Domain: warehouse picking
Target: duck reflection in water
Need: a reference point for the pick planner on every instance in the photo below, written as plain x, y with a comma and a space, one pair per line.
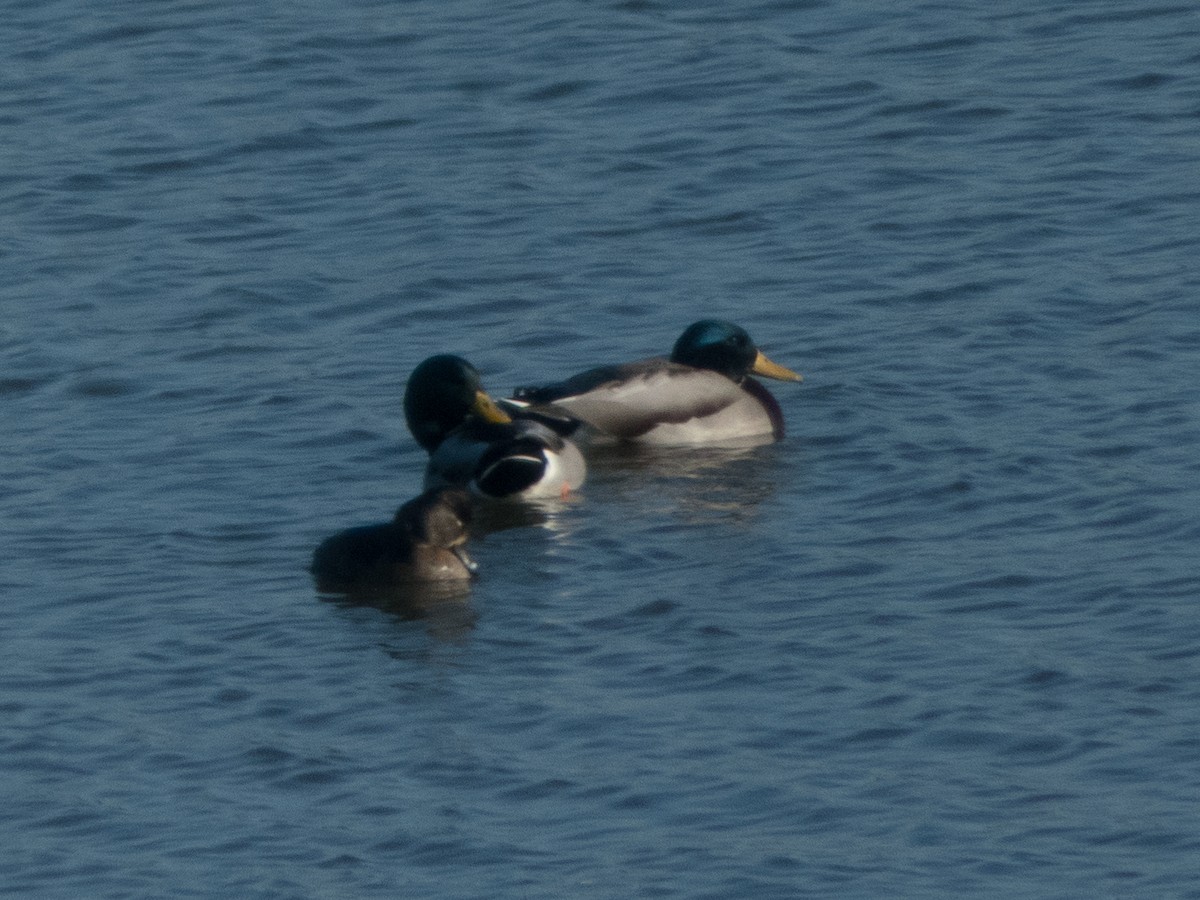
407, 565
703, 484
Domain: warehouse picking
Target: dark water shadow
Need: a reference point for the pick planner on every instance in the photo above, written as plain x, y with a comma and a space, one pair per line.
444, 608
492, 516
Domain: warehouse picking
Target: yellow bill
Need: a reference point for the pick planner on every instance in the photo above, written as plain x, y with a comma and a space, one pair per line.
485, 407
766, 368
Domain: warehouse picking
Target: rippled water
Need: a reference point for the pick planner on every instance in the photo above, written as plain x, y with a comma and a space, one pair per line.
942, 640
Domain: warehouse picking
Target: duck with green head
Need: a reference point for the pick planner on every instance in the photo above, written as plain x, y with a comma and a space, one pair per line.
472, 442
702, 394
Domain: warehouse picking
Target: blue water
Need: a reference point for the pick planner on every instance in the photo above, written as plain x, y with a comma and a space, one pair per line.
940, 641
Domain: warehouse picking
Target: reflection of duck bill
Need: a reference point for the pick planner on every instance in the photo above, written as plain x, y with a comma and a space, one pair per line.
766, 368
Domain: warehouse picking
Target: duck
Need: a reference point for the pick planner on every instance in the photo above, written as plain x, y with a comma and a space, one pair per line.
423, 544
702, 394
472, 442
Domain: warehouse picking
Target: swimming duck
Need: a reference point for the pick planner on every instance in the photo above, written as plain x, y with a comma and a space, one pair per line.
473, 442
702, 394
423, 543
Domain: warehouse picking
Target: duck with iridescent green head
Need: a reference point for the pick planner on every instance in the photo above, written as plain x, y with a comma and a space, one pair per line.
474, 443
702, 394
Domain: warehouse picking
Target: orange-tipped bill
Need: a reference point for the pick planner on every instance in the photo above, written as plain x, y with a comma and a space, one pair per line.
766, 368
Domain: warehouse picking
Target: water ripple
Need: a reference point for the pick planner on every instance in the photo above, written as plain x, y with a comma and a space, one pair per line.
939, 641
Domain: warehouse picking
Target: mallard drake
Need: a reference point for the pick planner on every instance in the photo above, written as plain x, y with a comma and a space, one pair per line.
702, 394
474, 443
423, 543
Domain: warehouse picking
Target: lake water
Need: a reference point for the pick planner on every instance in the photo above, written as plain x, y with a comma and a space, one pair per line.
943, 640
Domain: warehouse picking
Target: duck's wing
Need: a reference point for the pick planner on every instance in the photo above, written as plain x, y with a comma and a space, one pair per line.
585, 382
522, 458
630, 400
354, 555
552, 419
510, 467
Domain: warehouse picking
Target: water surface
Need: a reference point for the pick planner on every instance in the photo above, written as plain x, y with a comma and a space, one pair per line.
941, 640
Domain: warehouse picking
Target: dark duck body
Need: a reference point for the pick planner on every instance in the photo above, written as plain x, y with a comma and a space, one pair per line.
702, 394
424, 543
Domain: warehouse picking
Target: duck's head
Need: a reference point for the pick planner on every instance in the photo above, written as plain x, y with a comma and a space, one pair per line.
442, 393
726, 348
440, 517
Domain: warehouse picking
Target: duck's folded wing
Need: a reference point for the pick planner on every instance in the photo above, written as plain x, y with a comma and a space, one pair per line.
497, 460
507, 468
628, 401
587, 381
352, 555
555, 421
